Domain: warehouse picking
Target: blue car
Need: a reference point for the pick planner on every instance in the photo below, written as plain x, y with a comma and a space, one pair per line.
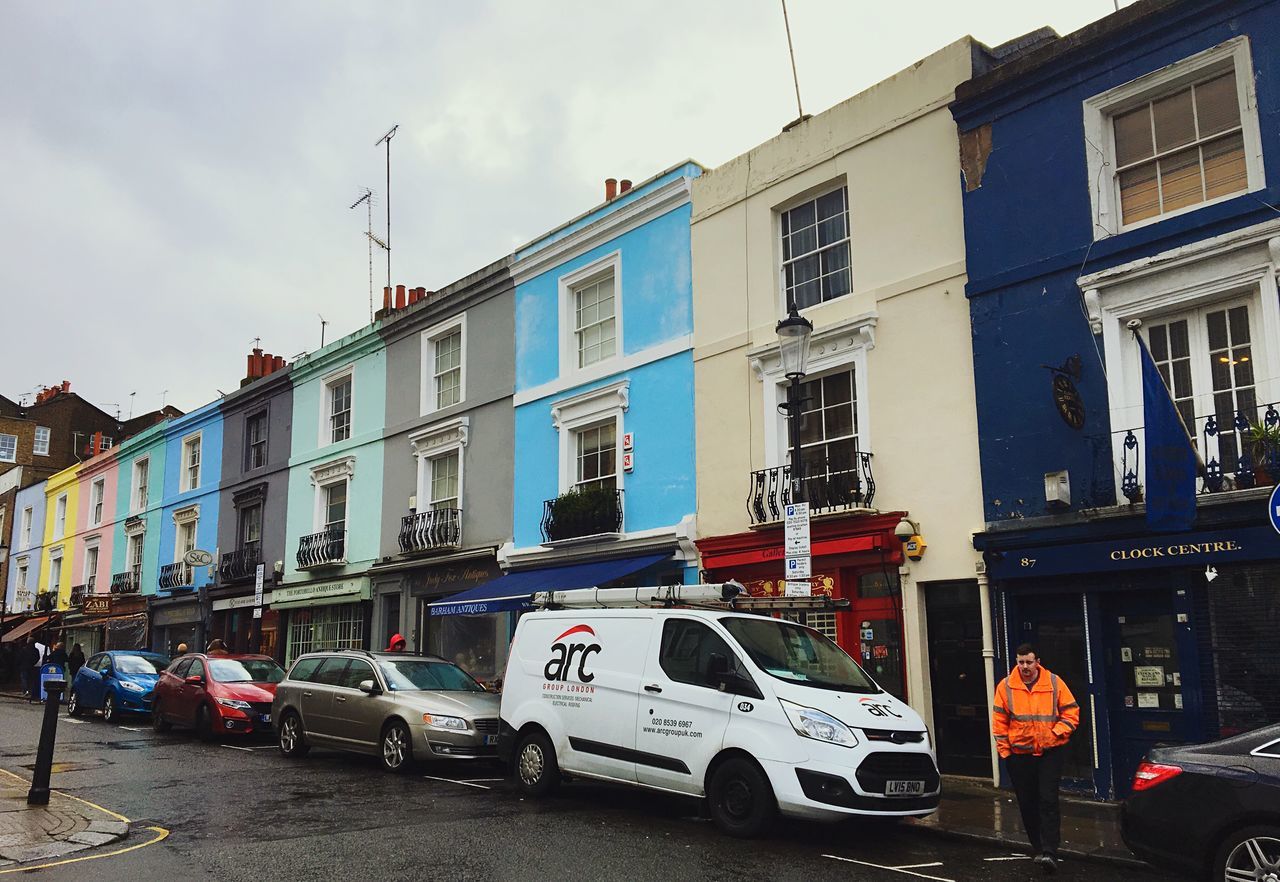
116, 682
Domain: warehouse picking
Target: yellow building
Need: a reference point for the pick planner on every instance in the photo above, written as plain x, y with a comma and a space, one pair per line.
854, 215
62, 501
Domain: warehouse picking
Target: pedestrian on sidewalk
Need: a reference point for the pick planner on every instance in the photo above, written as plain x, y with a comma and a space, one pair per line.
1033, 718
217, 646
75, 661
28, 662
397, 643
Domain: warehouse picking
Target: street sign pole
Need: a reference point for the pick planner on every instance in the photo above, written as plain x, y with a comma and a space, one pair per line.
797, 546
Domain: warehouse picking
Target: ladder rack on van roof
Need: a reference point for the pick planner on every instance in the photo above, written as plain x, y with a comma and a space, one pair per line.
724, 595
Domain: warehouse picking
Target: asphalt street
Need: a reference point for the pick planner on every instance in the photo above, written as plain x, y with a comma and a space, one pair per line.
240, 811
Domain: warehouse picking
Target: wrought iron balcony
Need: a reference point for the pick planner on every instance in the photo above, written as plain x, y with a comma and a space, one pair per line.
433, 530
241, 564
582, 513
825, 491
1240, 450
45, 601
77, 594
176, 575
127, 582
326, 548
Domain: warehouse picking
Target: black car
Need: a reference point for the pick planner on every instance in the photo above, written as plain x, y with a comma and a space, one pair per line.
1209, 809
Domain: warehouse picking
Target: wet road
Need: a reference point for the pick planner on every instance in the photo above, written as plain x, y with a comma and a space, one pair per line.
239, 811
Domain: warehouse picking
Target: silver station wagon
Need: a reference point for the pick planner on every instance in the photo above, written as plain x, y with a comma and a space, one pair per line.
396, 705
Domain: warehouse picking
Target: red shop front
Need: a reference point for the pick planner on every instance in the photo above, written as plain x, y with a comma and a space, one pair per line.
853, 557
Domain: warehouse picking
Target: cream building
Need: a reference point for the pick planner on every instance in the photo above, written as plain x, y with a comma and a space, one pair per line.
855, 214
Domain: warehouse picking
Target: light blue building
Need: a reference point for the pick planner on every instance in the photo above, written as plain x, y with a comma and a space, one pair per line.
25, 546
189, 507
604, 428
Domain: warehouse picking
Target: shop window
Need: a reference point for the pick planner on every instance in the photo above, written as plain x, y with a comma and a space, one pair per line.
879, 583
1244, 612
313, 629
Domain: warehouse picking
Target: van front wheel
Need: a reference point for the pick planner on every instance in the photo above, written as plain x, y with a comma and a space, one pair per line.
741, 799
536, 769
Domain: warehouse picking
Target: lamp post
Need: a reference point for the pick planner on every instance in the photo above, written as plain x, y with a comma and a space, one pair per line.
794, 332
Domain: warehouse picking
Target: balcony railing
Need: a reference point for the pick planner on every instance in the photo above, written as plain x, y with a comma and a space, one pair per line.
77, 594
127, 582
582, 513
176, 575
326, 548
241, 564
1240, 449
825, 491
433, 530
45, 601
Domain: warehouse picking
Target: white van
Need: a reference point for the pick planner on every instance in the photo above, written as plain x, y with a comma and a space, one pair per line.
757, 714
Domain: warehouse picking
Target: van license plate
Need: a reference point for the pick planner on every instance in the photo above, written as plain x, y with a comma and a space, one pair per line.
904, 788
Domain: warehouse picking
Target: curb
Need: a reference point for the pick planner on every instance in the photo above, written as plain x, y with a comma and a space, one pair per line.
991, 838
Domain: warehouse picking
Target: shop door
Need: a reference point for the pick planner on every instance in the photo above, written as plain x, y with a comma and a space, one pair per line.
1054, 624
960, 719
877, 615
1144, 665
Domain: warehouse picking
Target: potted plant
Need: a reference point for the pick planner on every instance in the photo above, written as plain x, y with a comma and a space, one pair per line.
1264, 447
582, 511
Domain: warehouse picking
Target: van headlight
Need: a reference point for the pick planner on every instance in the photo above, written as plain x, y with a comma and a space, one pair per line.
813, 723
440, 721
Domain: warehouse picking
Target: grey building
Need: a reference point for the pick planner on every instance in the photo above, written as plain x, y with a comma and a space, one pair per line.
256, 443
446, 506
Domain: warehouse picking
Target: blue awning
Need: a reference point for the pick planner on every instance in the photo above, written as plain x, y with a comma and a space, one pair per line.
515, 590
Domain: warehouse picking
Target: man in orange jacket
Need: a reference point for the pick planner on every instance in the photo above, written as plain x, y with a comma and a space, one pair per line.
1032, 720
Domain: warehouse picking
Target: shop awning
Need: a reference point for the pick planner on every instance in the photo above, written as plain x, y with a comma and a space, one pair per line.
514, 590
24, 629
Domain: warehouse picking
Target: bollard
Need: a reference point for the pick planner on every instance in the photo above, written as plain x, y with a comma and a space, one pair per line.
39, 792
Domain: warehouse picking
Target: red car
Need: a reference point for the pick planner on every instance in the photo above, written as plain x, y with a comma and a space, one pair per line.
217, 694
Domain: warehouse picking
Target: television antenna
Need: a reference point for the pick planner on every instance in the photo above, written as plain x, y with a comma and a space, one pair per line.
116, 406
131, 395
367, 199
322, 324
386, 139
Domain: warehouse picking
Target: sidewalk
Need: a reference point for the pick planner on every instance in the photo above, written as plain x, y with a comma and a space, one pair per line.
973, 809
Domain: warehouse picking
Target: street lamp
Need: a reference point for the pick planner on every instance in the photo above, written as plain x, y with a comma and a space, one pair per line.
794, 332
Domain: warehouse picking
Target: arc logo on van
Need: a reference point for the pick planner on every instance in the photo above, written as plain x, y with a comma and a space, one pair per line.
877, 709
565, 651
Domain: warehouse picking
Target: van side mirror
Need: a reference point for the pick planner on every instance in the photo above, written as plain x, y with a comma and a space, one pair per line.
719, 676
368, 687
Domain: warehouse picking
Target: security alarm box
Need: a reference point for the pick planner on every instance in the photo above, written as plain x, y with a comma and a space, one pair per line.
1057, 489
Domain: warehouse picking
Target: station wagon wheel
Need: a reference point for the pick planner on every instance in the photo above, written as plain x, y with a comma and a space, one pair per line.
740, 798
73, 704
292, 740
537, 771
109, 708
1249, 855
397, 748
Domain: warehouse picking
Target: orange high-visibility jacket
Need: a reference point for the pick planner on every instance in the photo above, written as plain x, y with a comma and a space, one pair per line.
1029, 721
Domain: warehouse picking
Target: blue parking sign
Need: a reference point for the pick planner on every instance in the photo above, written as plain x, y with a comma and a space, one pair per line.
1273, 508
47, 673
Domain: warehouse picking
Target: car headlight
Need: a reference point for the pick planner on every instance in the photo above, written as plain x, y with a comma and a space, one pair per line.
813, 723
439, 721
235, 703
132, 687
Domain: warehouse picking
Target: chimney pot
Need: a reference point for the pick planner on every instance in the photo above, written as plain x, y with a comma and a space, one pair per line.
610, 188
386, 297
413, 296
399, 296
624, 186
279, 362
66, 385
248, 368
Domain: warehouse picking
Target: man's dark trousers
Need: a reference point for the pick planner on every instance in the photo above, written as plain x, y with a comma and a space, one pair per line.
1035, 781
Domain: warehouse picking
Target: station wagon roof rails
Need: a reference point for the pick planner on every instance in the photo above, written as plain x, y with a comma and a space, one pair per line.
719, 595
363, 652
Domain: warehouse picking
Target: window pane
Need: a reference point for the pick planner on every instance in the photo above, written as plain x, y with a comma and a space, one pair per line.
1182, 378
1174, 121
1139, 193
1224, 166
1180, 338
1216, 325
831, 230
838, 421
1133, 136
1158, 340
831, 205
1217, 107
801, 216
806, 269
804, 241
1180, 180
837, 388
1242, 362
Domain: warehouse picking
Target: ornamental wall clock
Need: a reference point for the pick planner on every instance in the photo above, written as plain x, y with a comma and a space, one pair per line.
1066, 397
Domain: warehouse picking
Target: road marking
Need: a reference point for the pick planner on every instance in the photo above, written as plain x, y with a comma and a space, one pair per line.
1012, 857
76, 722
452, 781
489, 780
132, 729
916, 866
836, 857
161, 834
236, 747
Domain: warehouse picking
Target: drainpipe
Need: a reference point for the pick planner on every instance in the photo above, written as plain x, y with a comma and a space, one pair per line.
989, 663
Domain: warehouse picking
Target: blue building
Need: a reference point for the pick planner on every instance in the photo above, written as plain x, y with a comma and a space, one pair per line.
604, 447
1124, 179
189, 503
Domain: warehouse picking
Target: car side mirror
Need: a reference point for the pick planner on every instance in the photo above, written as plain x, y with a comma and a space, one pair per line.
194, 680
368, 687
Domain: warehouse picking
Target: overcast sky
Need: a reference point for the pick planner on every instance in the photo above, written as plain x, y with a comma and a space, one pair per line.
178, 175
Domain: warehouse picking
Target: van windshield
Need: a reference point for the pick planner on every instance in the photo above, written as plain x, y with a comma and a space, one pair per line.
798, 654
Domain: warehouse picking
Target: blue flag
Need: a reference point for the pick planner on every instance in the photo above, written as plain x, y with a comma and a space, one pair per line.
1171, 461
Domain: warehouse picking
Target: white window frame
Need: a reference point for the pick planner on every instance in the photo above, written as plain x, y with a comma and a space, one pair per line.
60, 516
326, 405
586, 410
137, 503
194, 440
325, 476
136, 540
55, 565
1099, 145
568, 286
811, 195
265, 415
433, 442
1237, 266
430, 338
107, 443
97, 501
27, 522
13, 457
90, 580
21, 583
185, 519
832, 349
43, 434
